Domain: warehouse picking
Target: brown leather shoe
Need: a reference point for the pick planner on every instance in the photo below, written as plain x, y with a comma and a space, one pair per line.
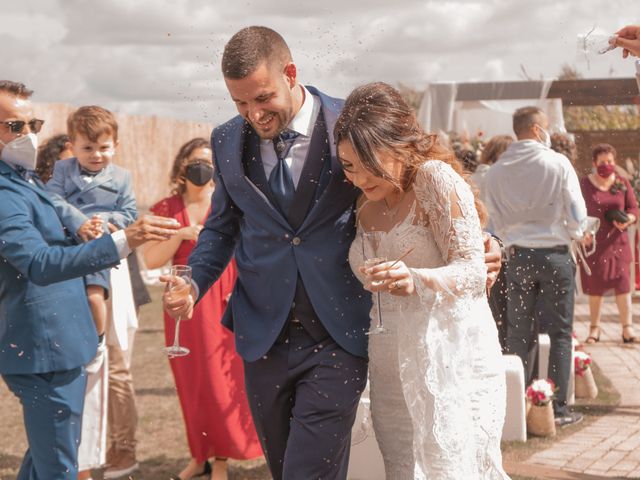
121, 463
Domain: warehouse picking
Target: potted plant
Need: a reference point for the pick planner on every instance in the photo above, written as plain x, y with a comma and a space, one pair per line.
540, 420
585, 384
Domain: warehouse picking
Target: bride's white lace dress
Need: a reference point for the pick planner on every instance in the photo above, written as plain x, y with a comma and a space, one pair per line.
436, 378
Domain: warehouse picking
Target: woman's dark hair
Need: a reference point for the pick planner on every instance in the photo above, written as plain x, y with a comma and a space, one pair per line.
375, 117
563, 143
603, 148
179, 164
48, 154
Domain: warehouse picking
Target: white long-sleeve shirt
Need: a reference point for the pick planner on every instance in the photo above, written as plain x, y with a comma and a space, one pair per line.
533, 197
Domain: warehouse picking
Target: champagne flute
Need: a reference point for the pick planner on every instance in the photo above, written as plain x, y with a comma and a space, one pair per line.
373, 256
179, 290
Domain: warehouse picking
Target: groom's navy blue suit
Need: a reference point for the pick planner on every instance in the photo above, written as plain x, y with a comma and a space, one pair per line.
298, 313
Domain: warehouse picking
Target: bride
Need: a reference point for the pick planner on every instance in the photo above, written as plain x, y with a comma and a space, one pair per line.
437, 381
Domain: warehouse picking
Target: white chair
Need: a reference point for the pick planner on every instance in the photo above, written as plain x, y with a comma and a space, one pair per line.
544, 346
515, 421
365, 462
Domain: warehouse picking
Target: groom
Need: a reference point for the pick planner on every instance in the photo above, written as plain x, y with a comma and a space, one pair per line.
282, 206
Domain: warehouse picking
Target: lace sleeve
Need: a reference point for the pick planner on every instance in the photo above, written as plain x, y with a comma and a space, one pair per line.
448, 203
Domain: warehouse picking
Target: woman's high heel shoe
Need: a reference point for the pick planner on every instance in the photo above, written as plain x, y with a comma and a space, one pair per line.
206, 471
629, 339
592, 338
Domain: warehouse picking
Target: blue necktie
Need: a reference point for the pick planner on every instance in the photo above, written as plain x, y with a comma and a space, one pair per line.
280, 180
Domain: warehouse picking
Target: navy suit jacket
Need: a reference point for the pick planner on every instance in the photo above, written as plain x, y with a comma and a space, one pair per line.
110, 193
271, 254
45, 321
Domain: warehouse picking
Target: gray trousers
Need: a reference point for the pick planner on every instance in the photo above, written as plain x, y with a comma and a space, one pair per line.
542, 279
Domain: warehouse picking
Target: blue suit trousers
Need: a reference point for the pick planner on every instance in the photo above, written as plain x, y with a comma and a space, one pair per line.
52, 406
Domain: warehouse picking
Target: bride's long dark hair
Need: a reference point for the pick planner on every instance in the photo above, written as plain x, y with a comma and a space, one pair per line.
375, 117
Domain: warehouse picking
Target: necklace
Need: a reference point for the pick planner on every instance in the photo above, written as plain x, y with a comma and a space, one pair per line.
393, 211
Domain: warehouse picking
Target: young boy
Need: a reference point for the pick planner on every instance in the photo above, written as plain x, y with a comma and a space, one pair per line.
102, 192
99, 189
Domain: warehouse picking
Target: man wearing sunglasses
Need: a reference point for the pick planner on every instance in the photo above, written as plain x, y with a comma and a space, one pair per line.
46, 331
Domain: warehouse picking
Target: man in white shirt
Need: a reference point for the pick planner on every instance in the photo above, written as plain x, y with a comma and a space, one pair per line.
536, 208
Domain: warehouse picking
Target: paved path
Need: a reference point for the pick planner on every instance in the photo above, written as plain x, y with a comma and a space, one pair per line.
610, 446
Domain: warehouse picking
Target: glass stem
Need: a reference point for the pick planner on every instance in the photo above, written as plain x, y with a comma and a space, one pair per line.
379, 311
176, 336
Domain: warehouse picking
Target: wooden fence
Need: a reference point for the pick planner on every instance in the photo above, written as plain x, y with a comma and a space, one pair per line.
626, 142
148, 146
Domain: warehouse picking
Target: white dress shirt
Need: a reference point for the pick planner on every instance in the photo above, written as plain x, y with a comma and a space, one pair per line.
303, 123
533, 197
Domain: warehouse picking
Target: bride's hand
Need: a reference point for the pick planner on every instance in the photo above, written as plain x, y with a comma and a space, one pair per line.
392, 277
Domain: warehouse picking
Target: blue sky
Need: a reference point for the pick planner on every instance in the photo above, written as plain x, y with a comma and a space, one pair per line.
161, 57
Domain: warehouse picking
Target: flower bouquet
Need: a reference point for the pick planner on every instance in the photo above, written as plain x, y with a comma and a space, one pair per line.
540, 420
585, 384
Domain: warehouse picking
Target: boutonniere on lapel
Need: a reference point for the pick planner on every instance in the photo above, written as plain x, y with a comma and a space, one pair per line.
618, 186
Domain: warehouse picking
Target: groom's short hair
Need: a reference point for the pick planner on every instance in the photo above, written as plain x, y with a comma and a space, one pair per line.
249, 48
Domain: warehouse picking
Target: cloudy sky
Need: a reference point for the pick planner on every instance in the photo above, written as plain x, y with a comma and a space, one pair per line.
161, 57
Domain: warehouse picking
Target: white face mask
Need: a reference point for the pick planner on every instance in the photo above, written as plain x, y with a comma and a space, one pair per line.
546, 140
21, 151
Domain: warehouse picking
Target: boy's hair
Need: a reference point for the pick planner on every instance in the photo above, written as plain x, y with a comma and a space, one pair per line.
249, 48
92, 122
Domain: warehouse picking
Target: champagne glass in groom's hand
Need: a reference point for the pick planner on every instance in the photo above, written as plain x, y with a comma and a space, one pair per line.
177, 294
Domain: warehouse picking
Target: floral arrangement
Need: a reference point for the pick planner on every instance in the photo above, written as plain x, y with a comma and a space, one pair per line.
582, 361
618, 186
540, 392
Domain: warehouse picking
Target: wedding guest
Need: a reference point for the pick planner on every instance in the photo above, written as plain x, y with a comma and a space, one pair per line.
628, 38
122, 419
498, 293
536, 208
212, 373
606, 193
490, 154
565, 144
42, 356
54, 149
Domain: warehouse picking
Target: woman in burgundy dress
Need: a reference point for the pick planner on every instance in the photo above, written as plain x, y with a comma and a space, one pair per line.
605, 191
210, 380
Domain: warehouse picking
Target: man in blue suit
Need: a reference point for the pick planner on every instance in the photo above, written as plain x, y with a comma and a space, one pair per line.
283, 206
46, 331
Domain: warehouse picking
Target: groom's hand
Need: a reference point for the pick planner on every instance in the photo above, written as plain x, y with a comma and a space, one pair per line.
177, 305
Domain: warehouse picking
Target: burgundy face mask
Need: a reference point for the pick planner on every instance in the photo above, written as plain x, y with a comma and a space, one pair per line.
606, 169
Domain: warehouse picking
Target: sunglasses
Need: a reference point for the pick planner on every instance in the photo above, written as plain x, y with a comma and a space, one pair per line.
16, 126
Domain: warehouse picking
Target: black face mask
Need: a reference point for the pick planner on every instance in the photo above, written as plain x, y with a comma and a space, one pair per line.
199, 173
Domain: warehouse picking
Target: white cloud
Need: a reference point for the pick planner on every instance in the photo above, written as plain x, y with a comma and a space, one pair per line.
162, 56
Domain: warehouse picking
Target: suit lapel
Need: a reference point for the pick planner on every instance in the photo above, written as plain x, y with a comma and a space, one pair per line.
253, 166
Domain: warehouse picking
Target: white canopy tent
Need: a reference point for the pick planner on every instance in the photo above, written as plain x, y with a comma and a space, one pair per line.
486, 107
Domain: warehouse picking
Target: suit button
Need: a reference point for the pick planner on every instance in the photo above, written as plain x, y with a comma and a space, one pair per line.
296, 241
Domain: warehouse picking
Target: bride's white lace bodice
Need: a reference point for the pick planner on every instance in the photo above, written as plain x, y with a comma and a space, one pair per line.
448, 352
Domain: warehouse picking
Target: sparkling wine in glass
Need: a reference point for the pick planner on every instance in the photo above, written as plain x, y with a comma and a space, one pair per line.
372, 254
178, 290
